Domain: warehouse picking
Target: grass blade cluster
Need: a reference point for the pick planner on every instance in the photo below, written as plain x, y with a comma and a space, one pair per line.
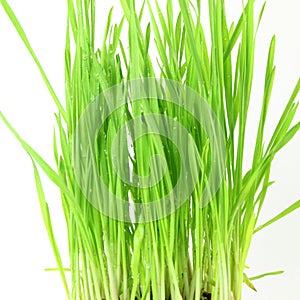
197, 252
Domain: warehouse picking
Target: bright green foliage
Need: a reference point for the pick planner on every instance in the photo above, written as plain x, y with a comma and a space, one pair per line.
195, 249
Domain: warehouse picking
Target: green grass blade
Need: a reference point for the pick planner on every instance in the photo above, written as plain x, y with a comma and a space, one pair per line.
25, 40
286, 118
54, 177
283, 214
260, 16
42, 163
235, 35
266, 275
48, 225
249, 283
269, 80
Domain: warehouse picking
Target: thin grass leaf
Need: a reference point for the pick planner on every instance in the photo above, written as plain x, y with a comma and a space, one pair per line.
283, 214
266, 275
235, 35
52, 175
286, 117
48, 224
25, 40
249, 283
260, 16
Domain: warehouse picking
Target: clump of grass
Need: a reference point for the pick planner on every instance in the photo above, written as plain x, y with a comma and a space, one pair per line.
197, 252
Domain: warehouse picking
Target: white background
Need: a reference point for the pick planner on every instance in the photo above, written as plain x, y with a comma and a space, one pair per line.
24, 247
